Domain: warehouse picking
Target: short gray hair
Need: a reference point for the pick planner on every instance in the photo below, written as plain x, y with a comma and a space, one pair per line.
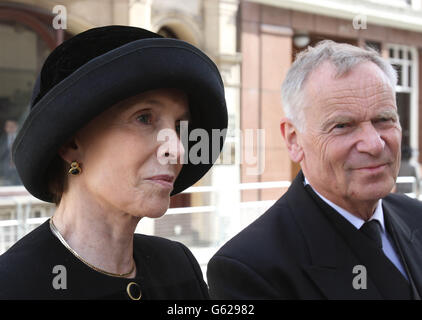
343, 56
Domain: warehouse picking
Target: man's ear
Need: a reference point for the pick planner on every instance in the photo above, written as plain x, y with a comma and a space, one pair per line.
70, 151
291, 137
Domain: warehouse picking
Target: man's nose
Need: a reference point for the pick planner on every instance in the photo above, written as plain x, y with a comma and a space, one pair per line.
370, 140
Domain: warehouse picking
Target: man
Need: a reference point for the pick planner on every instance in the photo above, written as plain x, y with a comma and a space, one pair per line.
337, 233
9, 173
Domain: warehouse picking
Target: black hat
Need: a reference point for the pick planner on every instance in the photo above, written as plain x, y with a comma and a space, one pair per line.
94, 70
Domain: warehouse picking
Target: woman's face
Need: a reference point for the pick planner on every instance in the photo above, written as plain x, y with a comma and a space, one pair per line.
125, 166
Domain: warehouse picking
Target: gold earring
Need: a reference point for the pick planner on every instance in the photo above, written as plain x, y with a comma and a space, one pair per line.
75, 169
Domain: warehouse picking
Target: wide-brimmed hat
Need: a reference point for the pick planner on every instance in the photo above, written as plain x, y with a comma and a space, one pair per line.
94, 70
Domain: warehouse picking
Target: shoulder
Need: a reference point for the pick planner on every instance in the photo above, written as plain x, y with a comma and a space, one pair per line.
407, 208
26, 258
274, 229
169, 266
26, 248
154, 244
270, 221
401, 199
163, 252
260, 261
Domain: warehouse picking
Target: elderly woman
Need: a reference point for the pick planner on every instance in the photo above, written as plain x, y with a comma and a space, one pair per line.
93, 144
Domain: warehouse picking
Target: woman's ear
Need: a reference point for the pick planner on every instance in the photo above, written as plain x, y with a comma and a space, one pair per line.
291, 137
69, 151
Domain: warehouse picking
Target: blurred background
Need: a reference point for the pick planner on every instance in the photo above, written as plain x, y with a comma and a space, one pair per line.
253, 43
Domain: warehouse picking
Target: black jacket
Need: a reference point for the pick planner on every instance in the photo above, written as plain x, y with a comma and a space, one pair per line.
165, 270
302, 249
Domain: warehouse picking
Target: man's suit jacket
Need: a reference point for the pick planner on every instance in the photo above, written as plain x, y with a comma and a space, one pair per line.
302, 249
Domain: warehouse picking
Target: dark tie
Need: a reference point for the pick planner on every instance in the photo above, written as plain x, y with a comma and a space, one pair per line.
372, 229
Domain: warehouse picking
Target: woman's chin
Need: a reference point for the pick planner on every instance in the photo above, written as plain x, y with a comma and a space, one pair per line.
155, 214
154, 209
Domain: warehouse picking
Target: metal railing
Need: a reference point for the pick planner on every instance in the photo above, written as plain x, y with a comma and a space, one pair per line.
225, 215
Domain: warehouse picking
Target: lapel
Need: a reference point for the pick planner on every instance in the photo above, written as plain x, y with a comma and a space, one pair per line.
408, 243
380, 270
331, 260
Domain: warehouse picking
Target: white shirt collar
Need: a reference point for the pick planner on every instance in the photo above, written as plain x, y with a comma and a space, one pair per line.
354, 220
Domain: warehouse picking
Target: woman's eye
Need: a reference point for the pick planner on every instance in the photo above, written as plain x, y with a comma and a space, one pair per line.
180, 124
145, 118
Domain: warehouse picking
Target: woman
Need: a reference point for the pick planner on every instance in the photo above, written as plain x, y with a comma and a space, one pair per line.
91, 144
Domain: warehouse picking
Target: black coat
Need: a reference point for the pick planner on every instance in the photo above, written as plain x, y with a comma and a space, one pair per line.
165, 270
302, 249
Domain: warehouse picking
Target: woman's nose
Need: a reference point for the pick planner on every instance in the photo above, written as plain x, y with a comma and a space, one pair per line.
171, 149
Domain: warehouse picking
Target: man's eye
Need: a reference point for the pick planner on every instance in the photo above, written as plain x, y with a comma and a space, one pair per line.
340, 126
145, 118
384, 120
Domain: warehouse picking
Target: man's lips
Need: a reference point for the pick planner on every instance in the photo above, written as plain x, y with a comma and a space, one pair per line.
373, 168
164, 180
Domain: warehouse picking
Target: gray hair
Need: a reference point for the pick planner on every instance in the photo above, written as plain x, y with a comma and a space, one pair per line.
343, 56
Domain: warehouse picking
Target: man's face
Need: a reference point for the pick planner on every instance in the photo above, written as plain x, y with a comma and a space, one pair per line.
351, 141
10, 126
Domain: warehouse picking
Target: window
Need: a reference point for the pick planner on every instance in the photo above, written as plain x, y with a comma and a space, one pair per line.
20, 57
373, 45
402, 59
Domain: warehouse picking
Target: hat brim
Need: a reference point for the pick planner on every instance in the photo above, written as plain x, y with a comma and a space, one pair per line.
133, 68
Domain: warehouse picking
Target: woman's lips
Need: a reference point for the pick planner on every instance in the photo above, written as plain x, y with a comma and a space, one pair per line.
163, 180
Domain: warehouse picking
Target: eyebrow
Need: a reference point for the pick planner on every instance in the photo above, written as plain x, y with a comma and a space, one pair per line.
154, 102
336, 119
388, 114
348, 118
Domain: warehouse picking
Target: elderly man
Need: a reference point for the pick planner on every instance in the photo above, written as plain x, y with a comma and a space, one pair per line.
337, 233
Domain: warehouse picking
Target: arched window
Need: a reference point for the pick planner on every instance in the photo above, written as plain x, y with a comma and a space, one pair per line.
26, 37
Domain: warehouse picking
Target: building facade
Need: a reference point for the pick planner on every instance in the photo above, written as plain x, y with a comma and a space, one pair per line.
272, 32
30, 30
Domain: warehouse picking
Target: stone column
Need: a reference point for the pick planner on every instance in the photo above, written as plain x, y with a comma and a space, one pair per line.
266, 45
140, 13
220, 42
